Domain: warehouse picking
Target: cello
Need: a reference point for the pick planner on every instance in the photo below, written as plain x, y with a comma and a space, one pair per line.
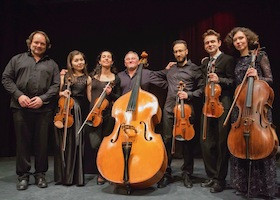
252, 136
212, 106
133, 156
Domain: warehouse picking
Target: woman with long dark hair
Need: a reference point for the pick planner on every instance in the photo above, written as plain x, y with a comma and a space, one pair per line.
68, 164
103, 73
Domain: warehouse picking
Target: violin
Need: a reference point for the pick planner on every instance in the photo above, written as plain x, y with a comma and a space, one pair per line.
252, 136
212, 106
183, 129
100, 104
64, 118
133, 155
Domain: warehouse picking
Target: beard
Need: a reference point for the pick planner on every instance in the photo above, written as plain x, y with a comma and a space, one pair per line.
181, 61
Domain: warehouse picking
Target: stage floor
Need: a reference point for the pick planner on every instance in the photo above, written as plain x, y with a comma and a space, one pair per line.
174, 191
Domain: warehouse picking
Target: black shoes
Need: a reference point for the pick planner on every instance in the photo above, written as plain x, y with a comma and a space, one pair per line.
217, 187
187, 181
41, 182
100, 180
22, 184
165, 180
207, 183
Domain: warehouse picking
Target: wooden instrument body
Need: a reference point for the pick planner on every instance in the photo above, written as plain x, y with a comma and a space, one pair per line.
212, 106
263, 141
183, 129
148, 159
96, 115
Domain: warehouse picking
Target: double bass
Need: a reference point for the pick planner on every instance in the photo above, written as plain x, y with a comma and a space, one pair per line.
133, 156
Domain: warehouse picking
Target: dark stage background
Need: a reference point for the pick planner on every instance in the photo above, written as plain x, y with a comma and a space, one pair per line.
95, 25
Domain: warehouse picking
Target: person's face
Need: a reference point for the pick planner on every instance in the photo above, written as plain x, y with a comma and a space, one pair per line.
106, 59
38, 45
180, 52
78, 63
131, 61
211, 44
240, 41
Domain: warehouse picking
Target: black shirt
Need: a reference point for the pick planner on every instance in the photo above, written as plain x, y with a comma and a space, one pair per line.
24, 76
148, 77
191, 75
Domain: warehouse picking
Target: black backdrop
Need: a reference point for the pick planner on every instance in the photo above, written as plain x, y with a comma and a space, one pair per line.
119, 26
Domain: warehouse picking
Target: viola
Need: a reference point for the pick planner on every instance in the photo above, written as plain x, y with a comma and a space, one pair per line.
183, 129
64, 118
252, 136
100, 104
212, 106
133, 156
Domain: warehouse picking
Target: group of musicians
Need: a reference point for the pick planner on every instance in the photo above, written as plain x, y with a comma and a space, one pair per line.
34, 82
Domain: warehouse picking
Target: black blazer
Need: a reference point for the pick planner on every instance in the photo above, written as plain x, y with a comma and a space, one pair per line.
224, 68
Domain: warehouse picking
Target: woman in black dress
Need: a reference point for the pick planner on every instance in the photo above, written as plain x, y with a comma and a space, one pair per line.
68, 164
103, 73
263, 174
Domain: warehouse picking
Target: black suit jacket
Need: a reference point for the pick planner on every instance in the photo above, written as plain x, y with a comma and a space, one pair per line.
224, 68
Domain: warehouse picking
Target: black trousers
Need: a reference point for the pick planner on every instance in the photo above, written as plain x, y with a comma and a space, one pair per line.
188, 146
214, 149
31, 129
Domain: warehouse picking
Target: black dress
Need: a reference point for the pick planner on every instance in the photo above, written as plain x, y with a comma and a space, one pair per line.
68, 166
263, 174
96, 134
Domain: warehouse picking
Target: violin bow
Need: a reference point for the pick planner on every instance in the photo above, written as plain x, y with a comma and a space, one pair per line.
252, 64
94, 106
66, 118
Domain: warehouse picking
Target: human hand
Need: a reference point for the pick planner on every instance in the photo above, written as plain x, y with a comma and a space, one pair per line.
24, 101
170, 64
63, 72
252, 72
182, 95
65, 93
108, 90
36, 102
213, 77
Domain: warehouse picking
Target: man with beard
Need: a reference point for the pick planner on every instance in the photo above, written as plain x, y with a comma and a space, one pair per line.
191, 75
32, 79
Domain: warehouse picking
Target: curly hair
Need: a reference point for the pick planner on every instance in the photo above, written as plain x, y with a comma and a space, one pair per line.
251, 36
70, 57
98, 67
30, 38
